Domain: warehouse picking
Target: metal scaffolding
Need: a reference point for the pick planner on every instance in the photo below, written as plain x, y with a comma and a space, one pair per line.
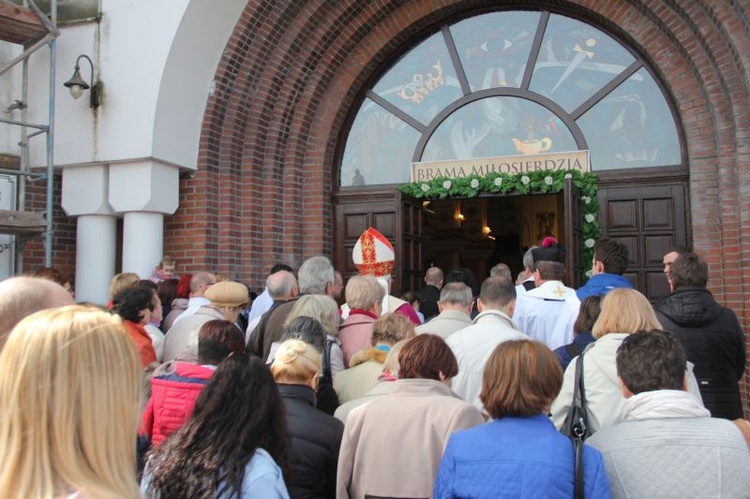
31, 28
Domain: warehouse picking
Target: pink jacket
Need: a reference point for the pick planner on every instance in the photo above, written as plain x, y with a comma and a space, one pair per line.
356, 333
173, 397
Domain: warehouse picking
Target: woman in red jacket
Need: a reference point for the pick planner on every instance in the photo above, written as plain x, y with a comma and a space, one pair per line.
176, 385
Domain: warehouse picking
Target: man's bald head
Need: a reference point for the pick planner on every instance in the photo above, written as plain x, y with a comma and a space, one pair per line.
434, 277
282, 285
22, 296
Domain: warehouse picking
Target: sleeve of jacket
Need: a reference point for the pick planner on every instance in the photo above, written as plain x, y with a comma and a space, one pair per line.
466, 417
337, 359
692, 383
561, 405
740, 346
147, 419
347, 453
596, 482
446, 474
408, 311
563, 329
333, 466
255, 345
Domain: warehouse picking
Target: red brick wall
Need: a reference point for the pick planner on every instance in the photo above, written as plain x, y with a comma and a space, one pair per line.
64, 232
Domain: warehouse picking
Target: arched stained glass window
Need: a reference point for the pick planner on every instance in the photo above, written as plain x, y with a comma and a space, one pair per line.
509, 83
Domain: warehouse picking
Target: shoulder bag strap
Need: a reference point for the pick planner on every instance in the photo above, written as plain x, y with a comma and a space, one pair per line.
582, 395
580, 429
327, 374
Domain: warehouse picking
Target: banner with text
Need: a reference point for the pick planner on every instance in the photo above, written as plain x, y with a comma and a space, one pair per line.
428, 170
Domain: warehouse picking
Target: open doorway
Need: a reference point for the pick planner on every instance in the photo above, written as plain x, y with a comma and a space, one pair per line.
479, 233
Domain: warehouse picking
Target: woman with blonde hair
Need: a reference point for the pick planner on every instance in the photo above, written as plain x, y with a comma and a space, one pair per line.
623, 312
121, 282
323, 309
69, 398
315, 435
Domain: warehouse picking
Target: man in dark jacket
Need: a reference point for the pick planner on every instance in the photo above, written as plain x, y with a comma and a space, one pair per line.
430, 294
711, 335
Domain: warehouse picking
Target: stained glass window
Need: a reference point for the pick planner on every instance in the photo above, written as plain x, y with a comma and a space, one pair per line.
631, 127
494, 48
498, 126
575, 88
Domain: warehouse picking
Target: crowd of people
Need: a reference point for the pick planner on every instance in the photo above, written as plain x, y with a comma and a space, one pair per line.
186, 386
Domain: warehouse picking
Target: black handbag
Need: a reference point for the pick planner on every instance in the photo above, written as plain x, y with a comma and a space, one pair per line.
576, 427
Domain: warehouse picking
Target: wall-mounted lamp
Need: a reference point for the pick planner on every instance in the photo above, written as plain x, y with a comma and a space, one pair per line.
77, 85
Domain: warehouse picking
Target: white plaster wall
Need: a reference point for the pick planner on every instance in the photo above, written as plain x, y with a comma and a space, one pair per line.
129, 49
157, 59
188, 77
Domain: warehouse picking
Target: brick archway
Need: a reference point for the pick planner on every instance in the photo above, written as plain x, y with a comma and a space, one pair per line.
292, 75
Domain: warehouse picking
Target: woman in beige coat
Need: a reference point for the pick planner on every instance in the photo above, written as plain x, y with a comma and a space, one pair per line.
392, 446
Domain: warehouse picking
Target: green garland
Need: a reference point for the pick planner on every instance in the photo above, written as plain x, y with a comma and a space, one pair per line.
540, 181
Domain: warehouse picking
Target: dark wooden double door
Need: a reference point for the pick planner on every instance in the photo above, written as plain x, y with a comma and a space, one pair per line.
648, 219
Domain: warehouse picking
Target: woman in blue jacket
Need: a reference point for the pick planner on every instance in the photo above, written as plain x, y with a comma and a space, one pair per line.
520, 453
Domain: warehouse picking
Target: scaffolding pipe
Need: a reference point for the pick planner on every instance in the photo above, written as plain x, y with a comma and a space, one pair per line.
26, 53
24, 136
25, 166
51, 135
23, 124
22, 174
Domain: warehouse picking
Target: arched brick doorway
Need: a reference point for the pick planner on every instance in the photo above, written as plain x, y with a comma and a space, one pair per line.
294, 72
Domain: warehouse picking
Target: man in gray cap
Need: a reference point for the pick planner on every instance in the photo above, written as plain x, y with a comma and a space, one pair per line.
226, 301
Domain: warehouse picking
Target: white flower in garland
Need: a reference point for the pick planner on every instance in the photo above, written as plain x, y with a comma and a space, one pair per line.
447, 184
425, 187
474, 183
589, 243
588, 273
586, 199
498, 181
589, 217
525, 180
548, 180
568, 175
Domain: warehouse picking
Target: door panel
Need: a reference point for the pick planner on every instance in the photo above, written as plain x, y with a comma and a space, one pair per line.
411, 237
397, 216
649, 220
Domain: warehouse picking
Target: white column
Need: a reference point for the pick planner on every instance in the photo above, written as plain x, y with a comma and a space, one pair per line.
95, 257
142, 242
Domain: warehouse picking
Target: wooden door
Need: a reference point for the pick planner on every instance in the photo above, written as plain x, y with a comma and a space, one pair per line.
397, 216
649, 220
573, 234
